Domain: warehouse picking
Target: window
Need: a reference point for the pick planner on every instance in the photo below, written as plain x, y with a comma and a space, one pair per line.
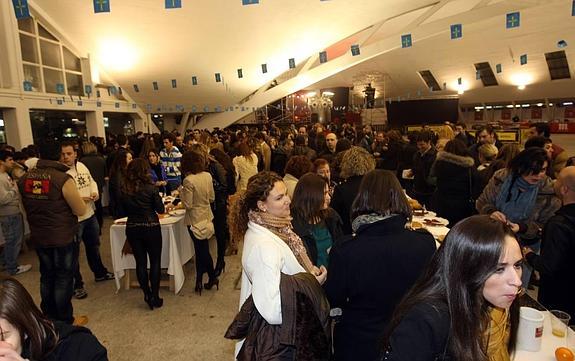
48, 66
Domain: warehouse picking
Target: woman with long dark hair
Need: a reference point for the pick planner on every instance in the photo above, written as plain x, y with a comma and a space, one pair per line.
370, 273
157, 171
318, 225
26, 334
142, 203
463, 308
197, 193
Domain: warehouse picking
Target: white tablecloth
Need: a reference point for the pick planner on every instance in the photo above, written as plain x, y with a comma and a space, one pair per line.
548, 345
176, 250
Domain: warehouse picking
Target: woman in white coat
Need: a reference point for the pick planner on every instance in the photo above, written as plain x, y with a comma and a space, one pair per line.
261, 217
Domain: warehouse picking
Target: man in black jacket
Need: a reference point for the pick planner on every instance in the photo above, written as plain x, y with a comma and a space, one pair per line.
422, 162
555, 264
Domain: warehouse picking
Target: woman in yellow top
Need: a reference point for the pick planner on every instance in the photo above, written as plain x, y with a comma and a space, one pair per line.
463, 307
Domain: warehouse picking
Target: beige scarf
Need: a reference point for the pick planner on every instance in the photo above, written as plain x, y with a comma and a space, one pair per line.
282, 227
498, 335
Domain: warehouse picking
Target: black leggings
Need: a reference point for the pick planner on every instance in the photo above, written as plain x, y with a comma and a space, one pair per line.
204, 261
147, 242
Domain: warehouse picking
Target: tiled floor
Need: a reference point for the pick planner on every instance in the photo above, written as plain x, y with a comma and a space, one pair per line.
187, 327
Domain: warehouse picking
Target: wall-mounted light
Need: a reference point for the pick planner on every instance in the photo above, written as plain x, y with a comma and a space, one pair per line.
521, 87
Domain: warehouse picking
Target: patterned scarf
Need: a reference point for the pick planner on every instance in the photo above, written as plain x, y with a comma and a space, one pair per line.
498, 335
367, 219
282, 227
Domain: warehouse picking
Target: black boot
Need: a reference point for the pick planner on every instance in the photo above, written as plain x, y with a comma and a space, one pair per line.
149, 299
220, 267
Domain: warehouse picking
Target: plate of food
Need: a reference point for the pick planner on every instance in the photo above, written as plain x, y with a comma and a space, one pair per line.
423, 213
435, 222
178, 212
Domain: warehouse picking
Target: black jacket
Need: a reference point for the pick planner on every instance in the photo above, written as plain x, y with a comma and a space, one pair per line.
422, 335
143, 206
421, 170
343, 196
305, 231
304, 333
555, 264
74, 344
96, 164
368, 276
457, 186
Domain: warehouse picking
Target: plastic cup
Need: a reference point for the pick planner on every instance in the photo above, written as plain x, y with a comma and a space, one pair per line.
530, 330
559, 322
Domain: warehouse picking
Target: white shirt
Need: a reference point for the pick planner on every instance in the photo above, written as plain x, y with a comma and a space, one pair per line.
86, 185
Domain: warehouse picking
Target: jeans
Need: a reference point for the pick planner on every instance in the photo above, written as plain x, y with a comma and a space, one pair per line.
12, 229
56, 282
204, 261
89, 232
147, 242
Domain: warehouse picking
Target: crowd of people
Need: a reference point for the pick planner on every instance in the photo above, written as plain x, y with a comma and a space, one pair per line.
322, 216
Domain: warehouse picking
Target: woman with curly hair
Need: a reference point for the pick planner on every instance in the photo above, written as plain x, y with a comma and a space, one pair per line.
142, 203
356, 162
261, 218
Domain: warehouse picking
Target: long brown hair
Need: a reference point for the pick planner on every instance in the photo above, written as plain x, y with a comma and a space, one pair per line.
137, 175
258, 189
308, 198
455, 277
18, 308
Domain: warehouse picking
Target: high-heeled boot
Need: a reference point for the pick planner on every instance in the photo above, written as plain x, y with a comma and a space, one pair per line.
211, 283
149, 299
220, 267
198, 288
157, 301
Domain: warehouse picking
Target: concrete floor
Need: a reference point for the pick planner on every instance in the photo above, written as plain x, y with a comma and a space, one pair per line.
187, 327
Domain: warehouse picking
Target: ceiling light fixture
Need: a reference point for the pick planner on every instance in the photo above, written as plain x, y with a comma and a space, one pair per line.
311, 94
568, 103
327, 94
521, 87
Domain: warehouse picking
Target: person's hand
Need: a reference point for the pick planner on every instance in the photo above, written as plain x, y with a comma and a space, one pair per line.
320, 274
409, 173
498, 216
7, 353
526, 250
169, 207
514, 227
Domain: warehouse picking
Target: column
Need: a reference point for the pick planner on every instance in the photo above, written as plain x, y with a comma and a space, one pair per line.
95, 124
18, 126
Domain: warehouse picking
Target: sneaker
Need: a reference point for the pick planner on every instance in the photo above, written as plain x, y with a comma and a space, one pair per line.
80, 293
80, 321
106, 277
23, 268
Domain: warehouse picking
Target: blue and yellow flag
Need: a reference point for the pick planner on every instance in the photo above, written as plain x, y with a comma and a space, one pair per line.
264, 68
60, 88
101, 6
355, 50
513, 20
27, 86
406, 41
21, 9
155, 85
250, 2
173, 4
240, 73
323, 57
136, 88
174, 83
218, 77
498, 68
456, 31
292, 63
523, 59
88, 89
194, 80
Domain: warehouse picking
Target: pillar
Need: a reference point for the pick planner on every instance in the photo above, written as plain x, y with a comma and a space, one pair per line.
95, 124
18, 126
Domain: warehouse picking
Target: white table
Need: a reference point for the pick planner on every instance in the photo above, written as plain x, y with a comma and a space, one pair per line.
177, 250
548, 345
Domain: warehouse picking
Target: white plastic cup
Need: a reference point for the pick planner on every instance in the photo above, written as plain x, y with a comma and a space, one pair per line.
530, 331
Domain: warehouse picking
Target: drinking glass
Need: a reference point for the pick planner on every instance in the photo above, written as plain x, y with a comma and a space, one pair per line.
559, 322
